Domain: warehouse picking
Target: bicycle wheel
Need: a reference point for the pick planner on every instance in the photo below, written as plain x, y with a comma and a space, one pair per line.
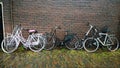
72, 43
50, 42
90, 44
79, 44
37, 43
9, 45
114, 44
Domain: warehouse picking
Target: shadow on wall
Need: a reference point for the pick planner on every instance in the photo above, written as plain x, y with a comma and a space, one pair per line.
119, 29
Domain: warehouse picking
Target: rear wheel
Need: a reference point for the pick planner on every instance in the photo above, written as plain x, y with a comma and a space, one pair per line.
9, 45
114, 44
90, 44
72, 43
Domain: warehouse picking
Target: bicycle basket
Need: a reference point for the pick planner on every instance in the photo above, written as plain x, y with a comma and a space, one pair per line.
104, 29
68, 38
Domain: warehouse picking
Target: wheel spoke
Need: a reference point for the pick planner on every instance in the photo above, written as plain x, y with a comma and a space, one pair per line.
9, 45
37, 43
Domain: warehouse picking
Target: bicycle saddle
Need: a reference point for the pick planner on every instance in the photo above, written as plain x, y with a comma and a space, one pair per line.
32, 31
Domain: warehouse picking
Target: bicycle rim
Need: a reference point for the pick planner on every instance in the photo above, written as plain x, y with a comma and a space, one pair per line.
37, 44
115, 44
91, 44
50, 43
9, 45
72, 43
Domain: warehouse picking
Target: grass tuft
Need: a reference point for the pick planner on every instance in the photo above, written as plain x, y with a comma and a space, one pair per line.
60, 58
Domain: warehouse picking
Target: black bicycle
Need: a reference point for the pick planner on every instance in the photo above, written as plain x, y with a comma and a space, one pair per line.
70, 39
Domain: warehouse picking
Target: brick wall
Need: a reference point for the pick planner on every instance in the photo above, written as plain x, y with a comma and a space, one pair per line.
69, 14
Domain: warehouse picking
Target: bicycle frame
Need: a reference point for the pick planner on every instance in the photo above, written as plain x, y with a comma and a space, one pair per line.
53, 35
53, 32
26, 42
89, 30
80, 43
105, 39
100, 38
86, 34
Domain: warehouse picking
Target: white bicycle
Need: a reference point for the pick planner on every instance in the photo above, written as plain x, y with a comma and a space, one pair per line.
91, 44
35, 41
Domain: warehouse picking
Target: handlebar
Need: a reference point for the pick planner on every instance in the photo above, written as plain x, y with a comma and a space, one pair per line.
57, 27
26, 29
20, 26
54, 29
88, 24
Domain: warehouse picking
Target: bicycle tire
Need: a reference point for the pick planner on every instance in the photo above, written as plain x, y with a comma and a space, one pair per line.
115, 46
90, 44
9, 45
72, 43
50, 42
79, 44
37, 44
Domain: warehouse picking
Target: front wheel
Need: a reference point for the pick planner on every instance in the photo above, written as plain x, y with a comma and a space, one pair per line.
50, 42
9, 45
37, 44
114, 44
90, 44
